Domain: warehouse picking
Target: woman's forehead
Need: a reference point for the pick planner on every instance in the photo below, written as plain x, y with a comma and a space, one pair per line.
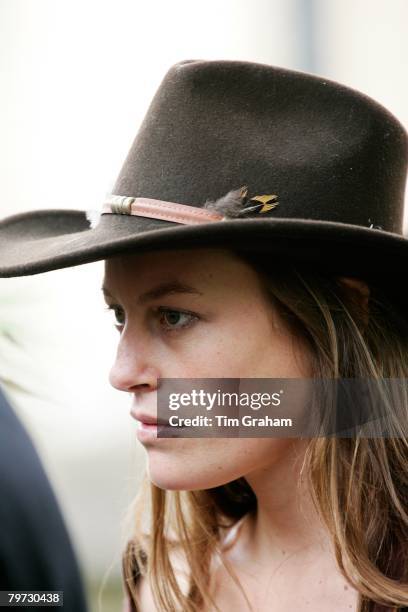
209, 259
203, 266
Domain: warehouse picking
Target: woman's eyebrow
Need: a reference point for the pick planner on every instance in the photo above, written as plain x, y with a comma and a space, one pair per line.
161, 290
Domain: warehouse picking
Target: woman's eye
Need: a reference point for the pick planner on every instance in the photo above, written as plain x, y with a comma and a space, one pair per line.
119, 315
170, 319
175, 319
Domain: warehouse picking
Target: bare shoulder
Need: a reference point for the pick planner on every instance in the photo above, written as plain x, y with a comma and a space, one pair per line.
181, 571
145, 596
143, 589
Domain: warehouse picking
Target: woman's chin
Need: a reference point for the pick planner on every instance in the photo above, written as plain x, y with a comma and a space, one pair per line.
183, 478
182, 482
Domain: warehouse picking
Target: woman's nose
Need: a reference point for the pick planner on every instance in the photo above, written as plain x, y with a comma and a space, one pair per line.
132, 369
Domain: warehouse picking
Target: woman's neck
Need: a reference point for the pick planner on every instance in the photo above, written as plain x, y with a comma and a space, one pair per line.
286, 521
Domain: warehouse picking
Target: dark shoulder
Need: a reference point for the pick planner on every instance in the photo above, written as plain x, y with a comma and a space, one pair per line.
35, 546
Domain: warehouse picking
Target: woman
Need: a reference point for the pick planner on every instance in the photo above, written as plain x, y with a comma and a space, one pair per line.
253, 232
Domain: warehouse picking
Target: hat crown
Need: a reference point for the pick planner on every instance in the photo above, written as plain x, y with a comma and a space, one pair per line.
329, 152
249, 156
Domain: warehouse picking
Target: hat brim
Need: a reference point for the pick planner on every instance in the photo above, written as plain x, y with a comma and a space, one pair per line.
43, 240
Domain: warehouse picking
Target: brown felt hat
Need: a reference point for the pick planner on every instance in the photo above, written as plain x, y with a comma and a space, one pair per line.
315, 172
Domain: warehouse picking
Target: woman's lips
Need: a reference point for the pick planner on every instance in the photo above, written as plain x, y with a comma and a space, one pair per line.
152, 427
147, 419
147, 432
148, 427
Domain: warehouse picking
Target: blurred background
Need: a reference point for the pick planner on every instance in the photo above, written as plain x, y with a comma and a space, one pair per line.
76, 79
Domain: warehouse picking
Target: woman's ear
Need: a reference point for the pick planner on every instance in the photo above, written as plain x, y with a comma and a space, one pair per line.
359, 292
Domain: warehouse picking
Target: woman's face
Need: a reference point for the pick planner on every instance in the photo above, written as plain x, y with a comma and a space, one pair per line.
197, 314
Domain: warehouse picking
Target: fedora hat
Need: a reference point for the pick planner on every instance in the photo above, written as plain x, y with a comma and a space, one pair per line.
246, 156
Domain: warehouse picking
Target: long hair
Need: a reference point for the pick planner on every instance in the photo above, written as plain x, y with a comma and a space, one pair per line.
347, 476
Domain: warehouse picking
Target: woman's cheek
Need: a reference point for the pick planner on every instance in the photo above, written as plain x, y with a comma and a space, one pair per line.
227, 347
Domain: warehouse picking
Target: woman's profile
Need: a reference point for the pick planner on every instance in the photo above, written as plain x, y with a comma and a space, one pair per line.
255, 232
